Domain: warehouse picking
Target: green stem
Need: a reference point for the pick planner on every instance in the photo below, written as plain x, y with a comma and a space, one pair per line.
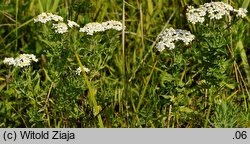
92, 94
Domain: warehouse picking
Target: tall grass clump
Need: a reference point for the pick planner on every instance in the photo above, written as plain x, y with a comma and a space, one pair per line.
106, 63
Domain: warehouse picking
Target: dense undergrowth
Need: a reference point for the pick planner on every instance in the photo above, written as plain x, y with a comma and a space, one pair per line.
204, 83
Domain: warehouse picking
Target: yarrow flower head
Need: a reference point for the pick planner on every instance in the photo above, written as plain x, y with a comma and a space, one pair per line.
169, 36
112, 25
94, 27
242, 12
21, 61
79, 70
91, 28
60, 28
214, 10
9, 61
46, 17
195, 15
72, 24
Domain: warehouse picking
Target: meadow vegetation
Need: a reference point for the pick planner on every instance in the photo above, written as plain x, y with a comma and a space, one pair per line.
129, 74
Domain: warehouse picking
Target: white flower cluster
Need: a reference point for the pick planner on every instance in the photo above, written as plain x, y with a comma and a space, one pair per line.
169, 36
72, 24
63, 28
46, 17
89, 28
94, 27
195, 15
21, 61
78, 70
241, 12
60, 27
214, 10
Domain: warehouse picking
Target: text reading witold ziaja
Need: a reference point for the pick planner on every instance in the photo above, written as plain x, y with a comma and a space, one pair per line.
47, 135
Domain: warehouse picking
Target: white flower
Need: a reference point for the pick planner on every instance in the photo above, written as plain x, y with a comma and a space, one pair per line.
60, 28
9, 61
46, 17
55, 17
91, 28
21, 61
241, 12
169, 36
112, 25
217, 9
94, 27
72, 24
43, 18
214, 10
196, 15
79, 70
29, 56
160, 46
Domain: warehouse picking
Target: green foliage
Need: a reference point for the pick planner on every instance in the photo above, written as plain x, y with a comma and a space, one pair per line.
204, 84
